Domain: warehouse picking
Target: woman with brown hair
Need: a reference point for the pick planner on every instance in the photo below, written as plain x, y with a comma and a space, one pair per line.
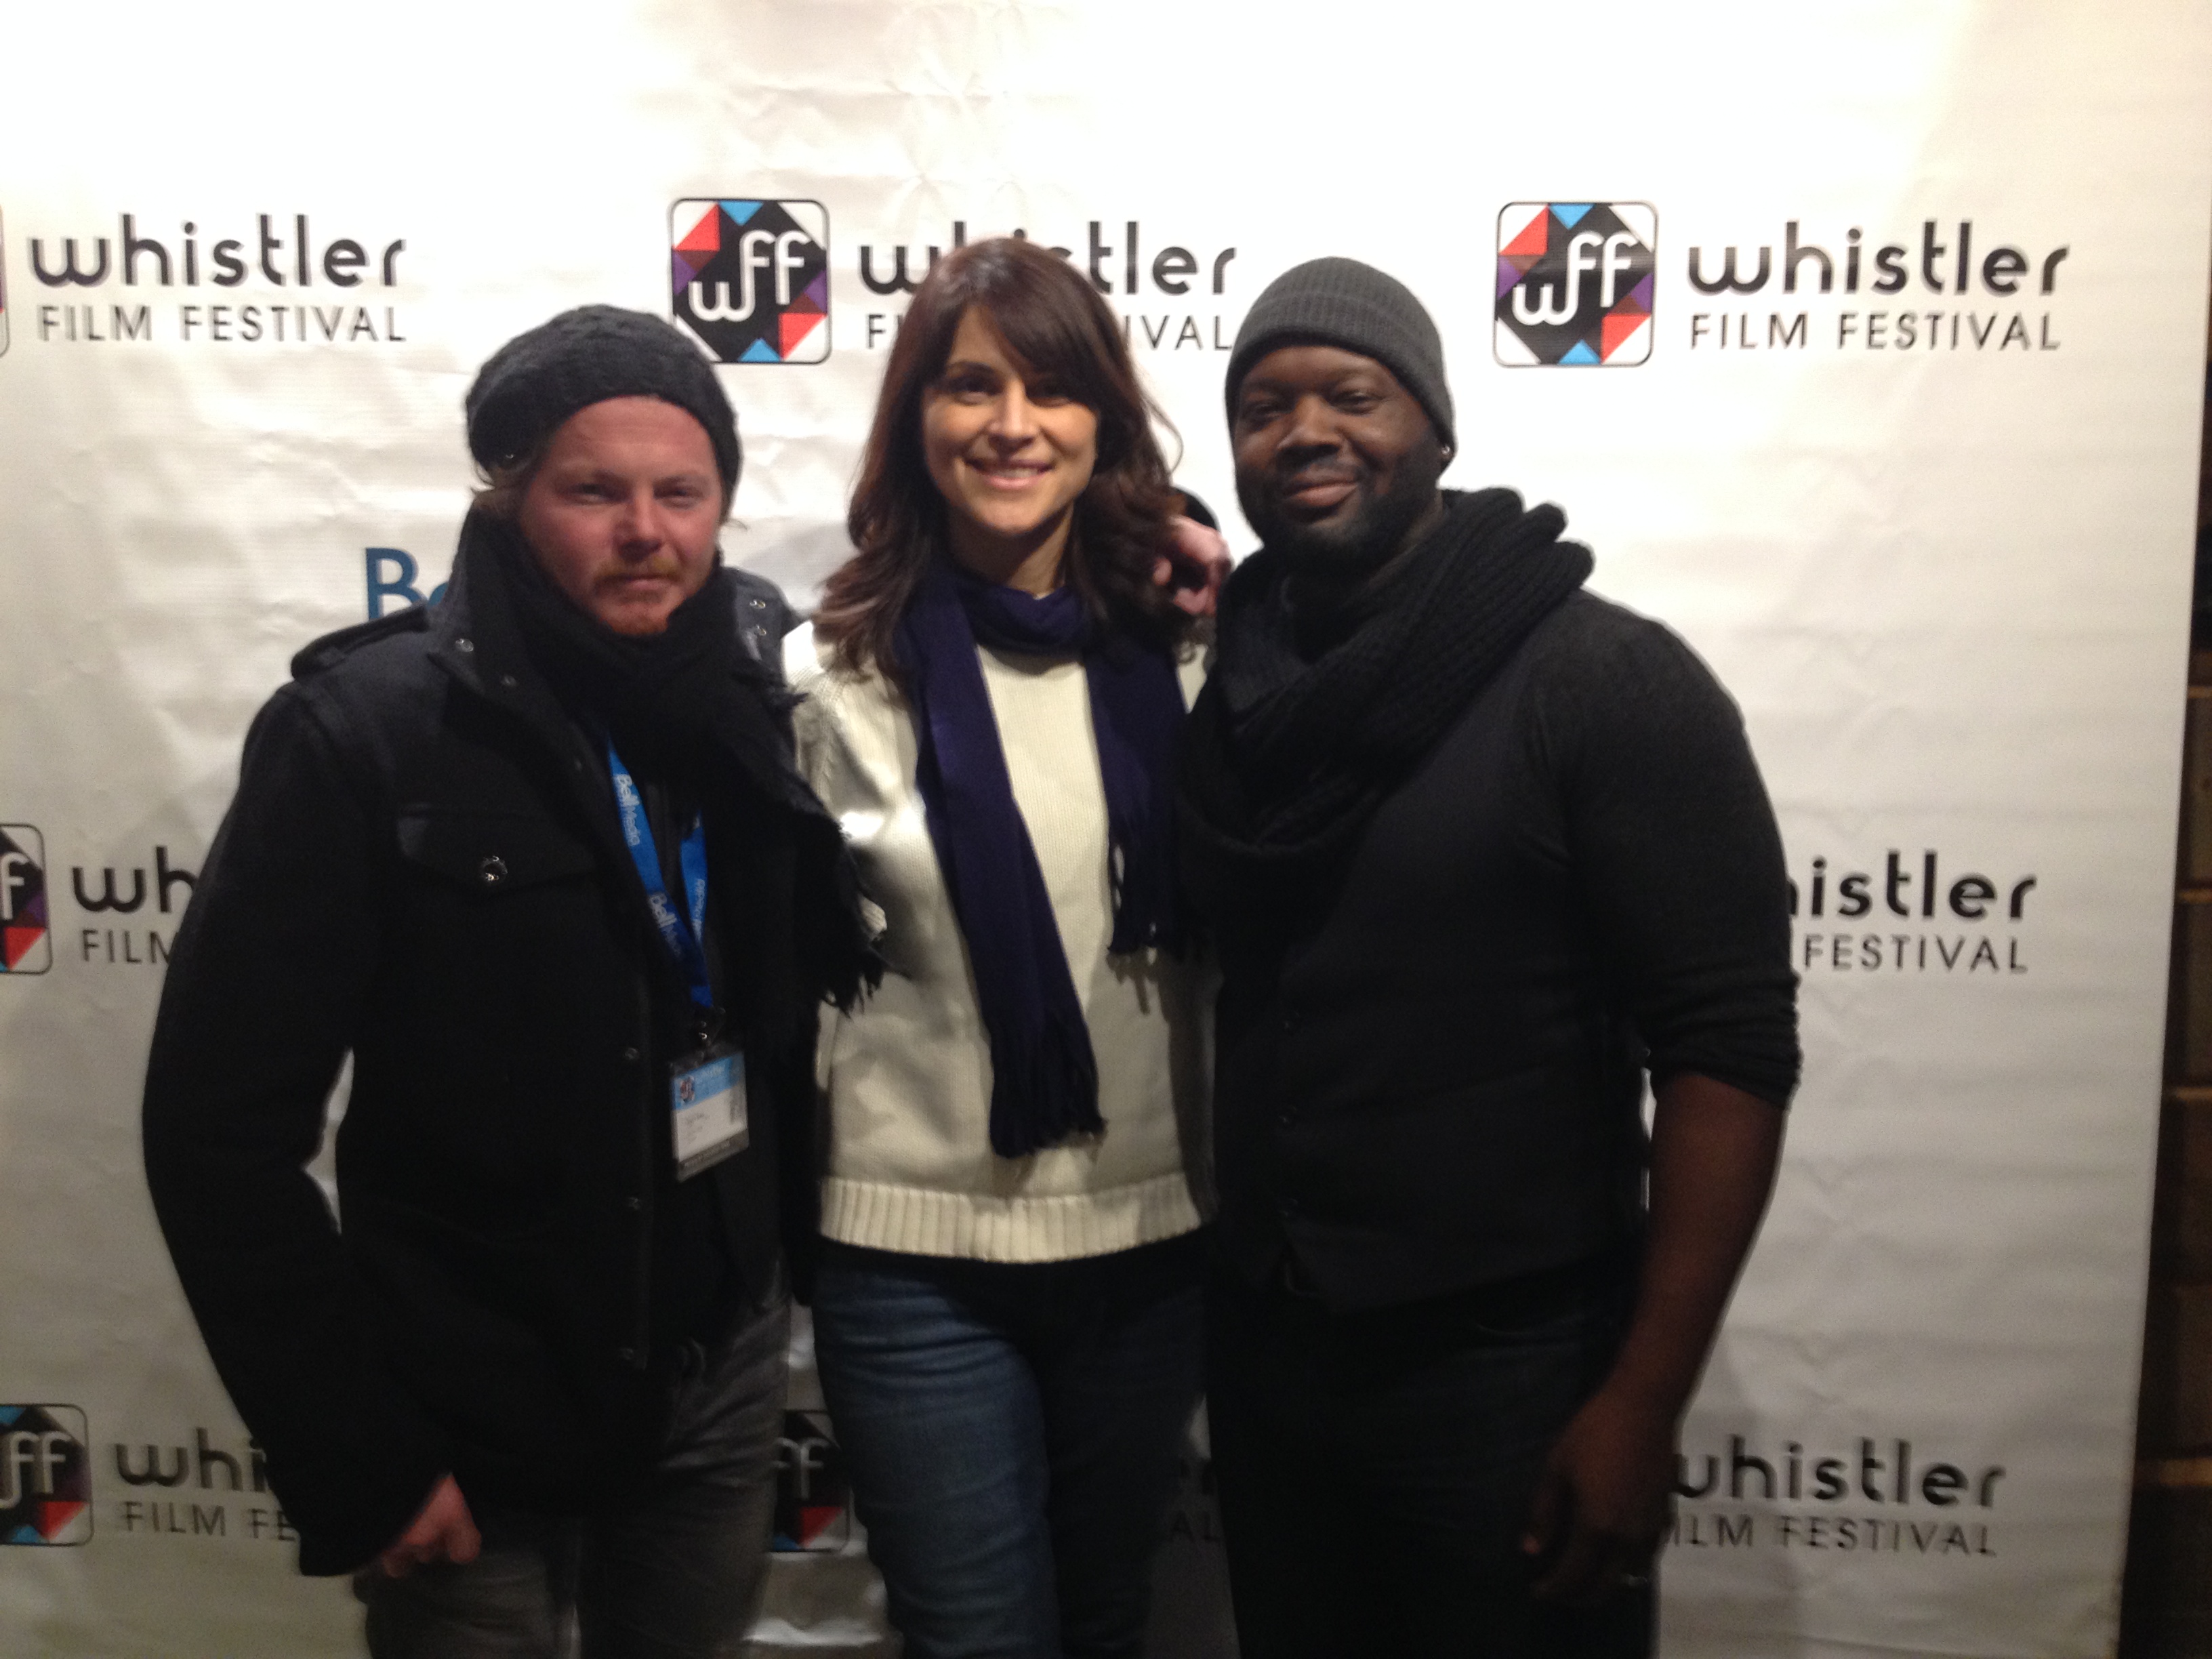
1007, 1311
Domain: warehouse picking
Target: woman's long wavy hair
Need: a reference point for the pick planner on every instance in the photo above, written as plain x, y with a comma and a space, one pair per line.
1059, 330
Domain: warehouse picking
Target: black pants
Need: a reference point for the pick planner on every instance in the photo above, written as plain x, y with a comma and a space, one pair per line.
1376, 1468
676, 1572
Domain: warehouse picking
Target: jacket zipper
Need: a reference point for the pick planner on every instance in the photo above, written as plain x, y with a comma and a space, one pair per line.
641, 1344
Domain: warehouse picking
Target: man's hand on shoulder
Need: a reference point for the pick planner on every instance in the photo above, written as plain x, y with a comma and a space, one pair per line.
443, 1530
1600, 1502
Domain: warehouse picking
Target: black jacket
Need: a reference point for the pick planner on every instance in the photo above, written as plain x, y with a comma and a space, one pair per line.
423, 869
1438, 1086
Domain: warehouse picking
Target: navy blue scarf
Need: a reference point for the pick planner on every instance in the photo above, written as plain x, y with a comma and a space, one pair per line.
1044, 1083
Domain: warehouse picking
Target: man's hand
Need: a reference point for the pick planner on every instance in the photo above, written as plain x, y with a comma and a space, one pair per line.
1194, 570
443, 1531
1602, 1499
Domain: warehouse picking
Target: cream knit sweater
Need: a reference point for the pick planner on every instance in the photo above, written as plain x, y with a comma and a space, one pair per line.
908, 1076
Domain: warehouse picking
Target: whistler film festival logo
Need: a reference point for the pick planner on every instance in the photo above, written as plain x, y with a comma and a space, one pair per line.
1574, 283
751, 278
46, 1475
25, 947
287, 280
813, 1492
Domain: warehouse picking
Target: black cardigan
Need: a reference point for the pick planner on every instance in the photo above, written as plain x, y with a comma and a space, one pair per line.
1438, 1087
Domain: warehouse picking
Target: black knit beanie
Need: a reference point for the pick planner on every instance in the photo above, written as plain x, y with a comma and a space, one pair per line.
1342, 302
543, 375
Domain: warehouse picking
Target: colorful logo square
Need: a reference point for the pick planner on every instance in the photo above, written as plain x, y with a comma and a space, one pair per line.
25, 947
1574, 283
813, 1492
46, 1475
751, 279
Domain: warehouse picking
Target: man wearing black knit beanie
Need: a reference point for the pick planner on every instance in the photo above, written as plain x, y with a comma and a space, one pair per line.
1480, 853
535, 860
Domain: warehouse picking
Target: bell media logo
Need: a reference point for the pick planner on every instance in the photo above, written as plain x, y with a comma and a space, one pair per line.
751, 279
46, 1475
25, 947
1574, 283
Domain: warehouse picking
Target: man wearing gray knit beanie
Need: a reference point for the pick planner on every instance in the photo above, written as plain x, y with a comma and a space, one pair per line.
1483, 854
534, 860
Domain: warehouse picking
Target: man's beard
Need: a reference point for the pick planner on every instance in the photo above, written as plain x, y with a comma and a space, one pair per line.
1346, 548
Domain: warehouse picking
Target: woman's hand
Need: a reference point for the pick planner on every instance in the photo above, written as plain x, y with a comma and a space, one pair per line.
1194, 570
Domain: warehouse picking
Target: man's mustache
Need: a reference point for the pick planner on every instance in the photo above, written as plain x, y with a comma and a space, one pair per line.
1297, 477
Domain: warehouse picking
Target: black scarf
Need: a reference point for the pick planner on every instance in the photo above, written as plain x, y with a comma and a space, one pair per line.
1044, 1085
689, 708
1288, 755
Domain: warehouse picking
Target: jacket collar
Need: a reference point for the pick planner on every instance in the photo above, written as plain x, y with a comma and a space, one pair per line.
475, 640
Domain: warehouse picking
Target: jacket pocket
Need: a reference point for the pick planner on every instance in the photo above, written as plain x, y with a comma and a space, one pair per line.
504, 991
491, 851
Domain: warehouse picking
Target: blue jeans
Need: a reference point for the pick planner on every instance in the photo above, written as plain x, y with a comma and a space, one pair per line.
675, 1572
1375, 1469
1012, 1432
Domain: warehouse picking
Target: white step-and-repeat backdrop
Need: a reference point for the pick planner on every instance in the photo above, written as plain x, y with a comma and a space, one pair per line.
1867, 351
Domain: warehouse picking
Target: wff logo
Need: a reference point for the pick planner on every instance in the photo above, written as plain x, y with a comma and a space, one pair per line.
46, 1475
751, 279
1574, 282
813, 1493
25, 947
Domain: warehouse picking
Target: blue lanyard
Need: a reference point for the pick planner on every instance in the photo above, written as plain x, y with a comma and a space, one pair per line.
681, 935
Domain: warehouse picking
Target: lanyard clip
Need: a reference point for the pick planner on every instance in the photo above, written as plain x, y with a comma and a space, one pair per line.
707, 1028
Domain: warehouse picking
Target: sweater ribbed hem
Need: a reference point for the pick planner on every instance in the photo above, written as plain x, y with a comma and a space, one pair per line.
976, 1227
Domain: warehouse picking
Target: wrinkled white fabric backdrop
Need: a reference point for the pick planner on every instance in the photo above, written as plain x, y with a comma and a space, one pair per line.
1948, 581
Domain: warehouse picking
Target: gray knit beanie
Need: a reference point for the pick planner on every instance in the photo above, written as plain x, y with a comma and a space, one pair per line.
1342, 302
543, 375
